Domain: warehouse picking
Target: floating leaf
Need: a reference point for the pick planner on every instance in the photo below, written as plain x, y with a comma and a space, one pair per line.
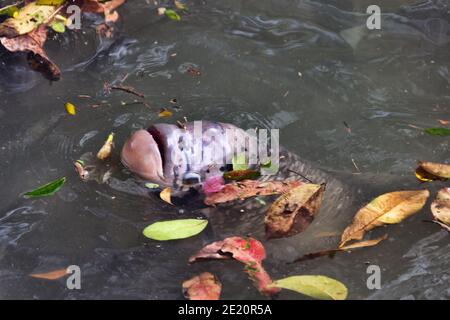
50, 2
247, 250
46, 189
175, 229
164, 113
433, 170
58, 26
318, 287
106, 149
151, 185
28, 18
293, 211
161, 11
82, 172
179, 5
444, 122
52, 275
205, 286
249, 188
438, 131
70, 108
213, 184
330, 252
172, 15
166, 195
389, 208
440, 208
239, 162
11, 10
238, 175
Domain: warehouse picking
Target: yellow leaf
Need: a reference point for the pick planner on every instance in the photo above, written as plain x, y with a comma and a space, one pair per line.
106, 149
164, 113
70, 108
424, 176
435, 170
388, 208
27, 19
318, 287
441, 206
363, 244
165, 195
179, 5
52, 275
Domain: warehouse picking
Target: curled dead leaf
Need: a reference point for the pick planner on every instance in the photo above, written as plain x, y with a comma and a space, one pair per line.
293, 211
166, 195
82, 172
106, 149
205, 286
249, 188
389, 208
33, 43
432, 171
440, 208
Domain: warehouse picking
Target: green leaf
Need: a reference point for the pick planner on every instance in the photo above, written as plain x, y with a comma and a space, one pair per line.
175, 229
171, 14
151, 185
46, 189
58, 26
239, 162
9, 10
438, 131
318, 287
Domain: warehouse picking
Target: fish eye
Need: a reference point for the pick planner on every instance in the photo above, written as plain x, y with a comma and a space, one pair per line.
191, 178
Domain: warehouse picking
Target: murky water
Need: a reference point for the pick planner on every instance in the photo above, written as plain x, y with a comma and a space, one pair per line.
272, 64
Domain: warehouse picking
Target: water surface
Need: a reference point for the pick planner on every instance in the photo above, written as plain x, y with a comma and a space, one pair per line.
269, 64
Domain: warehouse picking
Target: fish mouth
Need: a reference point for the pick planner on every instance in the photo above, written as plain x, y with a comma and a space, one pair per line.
143, 155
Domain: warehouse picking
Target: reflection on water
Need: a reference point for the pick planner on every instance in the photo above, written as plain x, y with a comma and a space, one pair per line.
305, 67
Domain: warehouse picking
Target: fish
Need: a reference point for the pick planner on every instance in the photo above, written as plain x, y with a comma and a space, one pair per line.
181, 158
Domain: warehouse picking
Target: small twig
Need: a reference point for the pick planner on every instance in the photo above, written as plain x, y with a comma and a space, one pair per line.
300, 175
354, 163
84, 96
128, 89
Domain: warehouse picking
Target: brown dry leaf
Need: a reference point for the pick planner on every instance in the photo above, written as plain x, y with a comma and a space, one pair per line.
108, 8
330, 252
166, 195
249, 188
435, 170
52, 275
440, 208
205, 286
33, 43
247, 250
28, 19
389, 208
106, 149
444, 122
293, 211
